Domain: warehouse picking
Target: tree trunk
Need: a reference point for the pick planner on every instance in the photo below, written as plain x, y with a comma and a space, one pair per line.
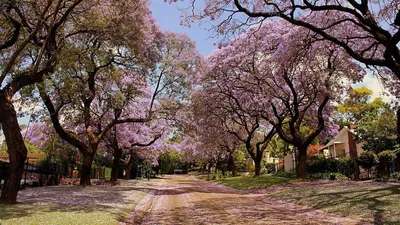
302, 162
115, 166
16, 150
232, 166
87, 168
222, 169
128, 168
257, 165
204, 168
209, 168
398, 125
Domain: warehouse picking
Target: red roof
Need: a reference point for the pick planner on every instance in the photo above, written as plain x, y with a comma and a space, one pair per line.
314, 149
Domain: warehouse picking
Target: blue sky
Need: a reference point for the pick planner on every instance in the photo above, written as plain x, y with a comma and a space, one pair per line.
169, 18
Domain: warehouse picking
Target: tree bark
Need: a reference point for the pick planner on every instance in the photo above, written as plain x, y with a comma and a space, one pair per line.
398, 125
128, 168
209, 168
232, 166
204, 168
301, 162
87, 168
257, 165
115, 166
16, 149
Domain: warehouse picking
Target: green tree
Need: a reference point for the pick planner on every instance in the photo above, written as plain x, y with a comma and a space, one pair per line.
374, 118
379, 132
386, 162
30, 147
367, 160
169, 161
357, 106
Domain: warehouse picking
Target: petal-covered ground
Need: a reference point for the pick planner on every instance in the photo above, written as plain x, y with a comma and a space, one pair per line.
74, 205
182, 199
186, 200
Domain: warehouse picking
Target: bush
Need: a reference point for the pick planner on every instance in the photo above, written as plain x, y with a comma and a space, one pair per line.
327, 176
344, 166
322, 165
285, 174
387, 155
270, 167
367, 160
386, 161
347, 166
395, 176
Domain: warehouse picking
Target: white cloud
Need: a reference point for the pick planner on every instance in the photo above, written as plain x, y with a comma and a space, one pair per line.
371, 82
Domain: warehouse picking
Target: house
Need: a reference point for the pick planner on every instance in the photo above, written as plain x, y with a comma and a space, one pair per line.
267, 159
289, 161
343, 145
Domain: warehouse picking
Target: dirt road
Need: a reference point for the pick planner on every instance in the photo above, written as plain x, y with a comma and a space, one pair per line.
185, 200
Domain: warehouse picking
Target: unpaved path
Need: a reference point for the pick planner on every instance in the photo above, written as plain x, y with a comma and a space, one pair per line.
185, 200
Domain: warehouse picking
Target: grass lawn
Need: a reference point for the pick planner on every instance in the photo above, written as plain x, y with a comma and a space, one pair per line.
71, 205
250, 182
376, 203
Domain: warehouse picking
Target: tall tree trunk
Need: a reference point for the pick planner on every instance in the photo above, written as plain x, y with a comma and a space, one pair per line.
87, 167
115, 166
398, 125
222, 167
209, 168
257, 165
204, 168
301, 162
232, 166
129, 168
16, 150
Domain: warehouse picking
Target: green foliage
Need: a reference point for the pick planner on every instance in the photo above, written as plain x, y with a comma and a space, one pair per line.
107, 173
30, 147
327, 176
328, 165
367, 160
388, 156
357, 106
379, 132
375, 120
103, 159
270, 168
285, 174
278, 147
239, 157
171, 160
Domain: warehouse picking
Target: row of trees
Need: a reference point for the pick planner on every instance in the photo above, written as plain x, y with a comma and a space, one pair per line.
99, 64
95, 67
282, 74
272, 80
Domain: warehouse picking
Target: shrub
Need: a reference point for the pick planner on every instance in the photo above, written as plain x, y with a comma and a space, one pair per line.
387, 155
367, 160
270, 167
386, 161
322, 165
395, 176
347, 166
344, 166
327, 176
